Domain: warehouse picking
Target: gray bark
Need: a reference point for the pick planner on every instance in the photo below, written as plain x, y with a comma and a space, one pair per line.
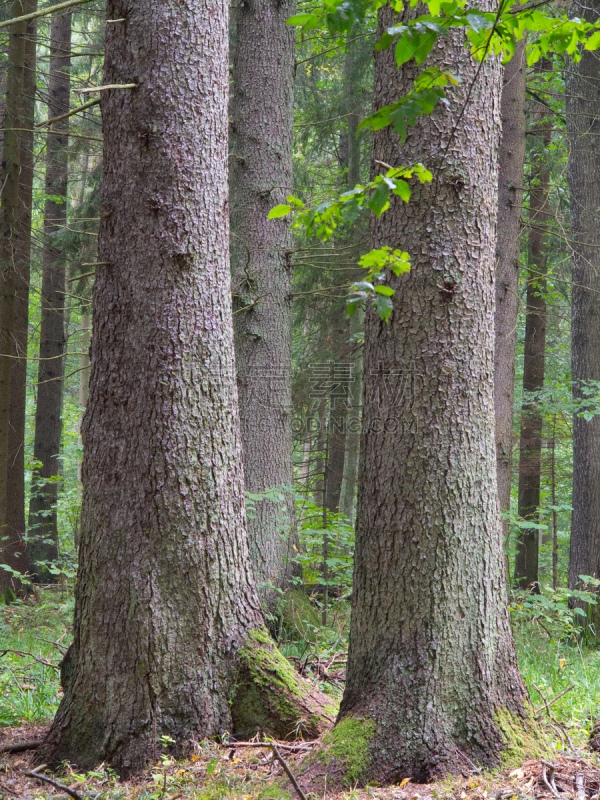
511, 163
42, 545
168, 633
431, 658
260, 167
583, 111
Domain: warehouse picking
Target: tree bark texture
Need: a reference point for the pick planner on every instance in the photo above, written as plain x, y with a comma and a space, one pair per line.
43, 524
511, 163
167, 618
530, 444
260, 165
10, 254
582, 81
431, 660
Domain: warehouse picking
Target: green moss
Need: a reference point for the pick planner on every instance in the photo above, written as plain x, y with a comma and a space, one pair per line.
523, 738
9, 596
348, 743
268, 667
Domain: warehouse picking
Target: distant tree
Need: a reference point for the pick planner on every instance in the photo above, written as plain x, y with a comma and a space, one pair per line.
582, 111
260, 166
511, 164
530, 444
169, 639
432, 670
42, 545
15, 232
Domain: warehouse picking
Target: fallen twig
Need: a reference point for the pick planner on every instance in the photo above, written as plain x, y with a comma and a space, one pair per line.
20, 747
35, 658
580, 785
290, 748
288, 772
549, 781
75, 795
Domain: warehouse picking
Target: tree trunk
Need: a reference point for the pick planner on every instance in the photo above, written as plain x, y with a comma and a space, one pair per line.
167, 619
583, 110
11, 251
511, 163
431, 665
530, 447
260, 167
43, 525
348, 489
18, 380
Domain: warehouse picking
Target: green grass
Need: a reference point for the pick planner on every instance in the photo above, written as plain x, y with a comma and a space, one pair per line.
29, 690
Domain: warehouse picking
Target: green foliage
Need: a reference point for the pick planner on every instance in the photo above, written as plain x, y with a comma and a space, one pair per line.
553, 611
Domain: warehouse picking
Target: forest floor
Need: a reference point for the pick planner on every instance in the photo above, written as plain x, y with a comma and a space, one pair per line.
33, 638
217, 772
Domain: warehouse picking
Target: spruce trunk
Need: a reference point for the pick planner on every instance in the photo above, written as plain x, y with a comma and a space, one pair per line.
43, 526
583, 108
511, 163
260, 167
11, 545
530, 445
432, 669
18, 380
168, 635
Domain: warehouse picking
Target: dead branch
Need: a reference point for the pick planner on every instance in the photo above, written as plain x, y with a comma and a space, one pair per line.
75, 795
288, 772
20, 747
35, 658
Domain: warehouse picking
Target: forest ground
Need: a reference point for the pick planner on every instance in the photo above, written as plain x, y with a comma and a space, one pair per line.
33, 636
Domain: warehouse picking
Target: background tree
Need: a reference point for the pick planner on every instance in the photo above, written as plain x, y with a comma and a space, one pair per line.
262, 111
583, 109
43, 540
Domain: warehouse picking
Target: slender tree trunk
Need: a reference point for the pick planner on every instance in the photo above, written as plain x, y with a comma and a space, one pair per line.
43, 526
168, 635
583, 110
336, 448
10, 255
18, 381
431, 666
348, 490
511, 163
260, 177
530, 448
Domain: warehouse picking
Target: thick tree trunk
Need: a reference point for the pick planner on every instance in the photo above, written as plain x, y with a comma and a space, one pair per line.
10, 253
431, 665
583, 109
260, 167
18, 380
511, 163
530, 446
167, 618
43, 526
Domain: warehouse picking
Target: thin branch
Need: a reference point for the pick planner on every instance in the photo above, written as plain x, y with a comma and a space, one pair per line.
43, 13
69, 113
21, 747
108, 86
75, 795
288, 772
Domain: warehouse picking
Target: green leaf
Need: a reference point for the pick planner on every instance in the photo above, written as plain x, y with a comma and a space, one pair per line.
383, 306
279, 211
386, 291
402, 190
478, 22
379, 200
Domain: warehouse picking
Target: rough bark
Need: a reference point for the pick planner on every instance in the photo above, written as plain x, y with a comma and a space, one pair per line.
583, 125
511, 163
18, 381
348, 489
260, 177
10, 250
530, 444
42, 545
167, 618
431, 665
